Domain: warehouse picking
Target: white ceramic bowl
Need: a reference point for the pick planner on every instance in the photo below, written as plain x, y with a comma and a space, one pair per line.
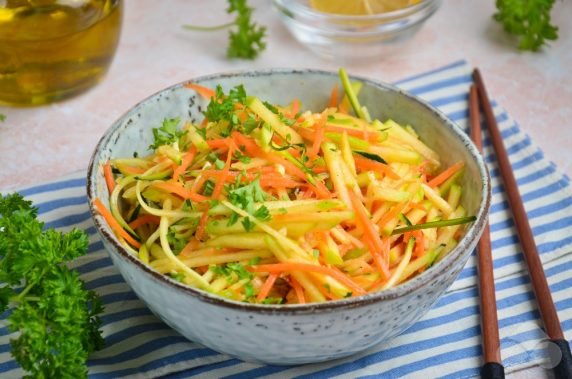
291, 334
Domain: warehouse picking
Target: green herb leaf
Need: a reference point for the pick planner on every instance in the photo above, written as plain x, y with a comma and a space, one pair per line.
405, 220
248, 290
208, 188
56, 317
178, 276
254, 261
248, 40
221, 107
2, 117
529, 20
167, 133
373, 157
247, 224
272, 300
238, 155
262, 213
219, 164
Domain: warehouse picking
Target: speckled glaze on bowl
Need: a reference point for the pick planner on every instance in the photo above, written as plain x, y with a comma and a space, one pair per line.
291, 334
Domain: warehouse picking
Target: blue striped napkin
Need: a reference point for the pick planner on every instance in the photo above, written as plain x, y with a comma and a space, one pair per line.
445, 343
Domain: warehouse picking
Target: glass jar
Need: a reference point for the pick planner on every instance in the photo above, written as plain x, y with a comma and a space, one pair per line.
54, 49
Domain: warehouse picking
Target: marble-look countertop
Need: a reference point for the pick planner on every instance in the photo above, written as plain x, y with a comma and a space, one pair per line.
42, 143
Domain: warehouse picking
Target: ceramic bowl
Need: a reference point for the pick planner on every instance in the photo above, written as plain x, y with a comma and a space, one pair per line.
291, 334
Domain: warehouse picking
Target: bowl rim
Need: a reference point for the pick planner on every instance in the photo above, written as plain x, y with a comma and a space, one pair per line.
301, 10
459, 252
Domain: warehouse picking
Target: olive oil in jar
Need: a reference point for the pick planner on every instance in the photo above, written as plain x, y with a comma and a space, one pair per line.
54, 49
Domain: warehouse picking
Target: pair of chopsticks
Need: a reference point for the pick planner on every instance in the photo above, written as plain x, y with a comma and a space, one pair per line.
493, 367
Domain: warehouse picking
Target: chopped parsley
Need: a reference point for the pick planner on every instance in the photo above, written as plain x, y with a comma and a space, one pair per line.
178, 276
232, 271
177, 244
238, 155
221, 107
245, 197
167, 133
208, 188
219, 164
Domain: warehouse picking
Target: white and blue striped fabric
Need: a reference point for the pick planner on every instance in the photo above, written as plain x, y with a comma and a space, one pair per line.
445, 343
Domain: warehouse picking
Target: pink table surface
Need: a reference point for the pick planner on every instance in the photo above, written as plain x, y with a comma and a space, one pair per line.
38, 144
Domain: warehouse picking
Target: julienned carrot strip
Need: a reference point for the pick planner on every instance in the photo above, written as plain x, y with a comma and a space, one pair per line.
318, 137
205, 92
377, 284
320, 190
282, 267
364, 164
419, 249
192, 245
202, 224
333, 97
248, 143
218, 143
224, 173
372, 238
267, 286
391, 214
327, 293
256, 151
108, 176
185, 162
360, 133
445, 174
114, 224
307, 133
267, 178
298, 290
179, 190
295, 107
144, 219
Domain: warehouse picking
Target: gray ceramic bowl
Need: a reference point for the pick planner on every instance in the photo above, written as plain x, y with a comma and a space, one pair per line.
291, 334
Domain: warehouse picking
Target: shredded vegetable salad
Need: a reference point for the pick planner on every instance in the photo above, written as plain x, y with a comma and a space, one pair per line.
273, 204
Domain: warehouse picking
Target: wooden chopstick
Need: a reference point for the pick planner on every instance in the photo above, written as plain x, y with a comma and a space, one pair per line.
563, 369
492, 367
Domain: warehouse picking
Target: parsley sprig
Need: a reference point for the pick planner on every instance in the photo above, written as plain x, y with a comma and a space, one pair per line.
56, 317
234, 272
246, 40
529, 20
221, 107
167, 133
245, 197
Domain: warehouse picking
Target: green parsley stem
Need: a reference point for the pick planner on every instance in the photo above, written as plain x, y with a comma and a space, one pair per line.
209, 28
435, 224
22, 294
